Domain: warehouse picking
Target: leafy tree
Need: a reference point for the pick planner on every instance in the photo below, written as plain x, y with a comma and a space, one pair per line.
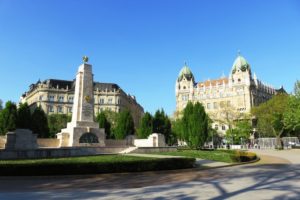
39, 123
297, 89
56, 122
213, 135
23, 116
124, 125
292, 115
104, 123
162, 124
111, 118
195, 125
145, 127
270, 117
176, 127
8, 118
1, 108
228, 115
241, 132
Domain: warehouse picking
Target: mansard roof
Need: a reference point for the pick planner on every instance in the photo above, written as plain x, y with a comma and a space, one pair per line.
104, 86
70, 85
60, 84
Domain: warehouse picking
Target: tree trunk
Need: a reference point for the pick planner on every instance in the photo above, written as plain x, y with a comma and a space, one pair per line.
279, 143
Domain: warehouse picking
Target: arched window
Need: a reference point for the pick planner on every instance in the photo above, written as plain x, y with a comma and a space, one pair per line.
88, 138
216, 127
223, 127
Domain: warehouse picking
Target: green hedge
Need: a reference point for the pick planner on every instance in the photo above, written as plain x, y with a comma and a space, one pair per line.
243, 156
68, 168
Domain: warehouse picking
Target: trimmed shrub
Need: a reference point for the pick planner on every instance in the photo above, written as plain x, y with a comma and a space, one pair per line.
92, 167
243, 156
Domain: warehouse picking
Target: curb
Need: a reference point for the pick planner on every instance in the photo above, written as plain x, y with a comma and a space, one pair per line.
230, 165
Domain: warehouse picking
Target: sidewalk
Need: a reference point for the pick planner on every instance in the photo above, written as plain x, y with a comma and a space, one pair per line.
200, 163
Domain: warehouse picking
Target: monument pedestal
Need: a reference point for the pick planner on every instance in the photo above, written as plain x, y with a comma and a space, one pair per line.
82, 134
82, 130
21, 139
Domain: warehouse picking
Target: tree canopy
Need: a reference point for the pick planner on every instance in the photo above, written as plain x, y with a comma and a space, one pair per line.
162, 124
124, 125
56, 122
8, 118
104, 123
292, 114
1, 107
270, 117
39, 123
297, 89
194, 125
23, 116
240, 132
146, 126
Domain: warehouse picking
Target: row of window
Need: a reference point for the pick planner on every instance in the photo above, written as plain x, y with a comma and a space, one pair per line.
58, 109
59, 98
71, 99
216, 105
109, 109
185, 97
109, 101
223, 127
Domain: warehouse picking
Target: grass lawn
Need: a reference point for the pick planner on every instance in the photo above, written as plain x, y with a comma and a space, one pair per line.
217, 155
81, 159
90, 165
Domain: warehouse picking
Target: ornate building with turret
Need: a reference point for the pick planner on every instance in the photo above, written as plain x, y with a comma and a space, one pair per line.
226, 97
56, 97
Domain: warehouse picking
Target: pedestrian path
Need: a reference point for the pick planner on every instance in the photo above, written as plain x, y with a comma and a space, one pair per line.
201, 163
210, 163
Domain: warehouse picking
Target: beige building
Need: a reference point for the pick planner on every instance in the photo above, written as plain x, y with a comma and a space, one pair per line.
56, 96
228, 98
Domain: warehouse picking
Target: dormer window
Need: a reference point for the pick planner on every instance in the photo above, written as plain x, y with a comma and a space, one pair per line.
239, 80
184, 87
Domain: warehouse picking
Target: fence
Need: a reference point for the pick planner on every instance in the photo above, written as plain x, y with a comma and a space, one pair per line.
271, 143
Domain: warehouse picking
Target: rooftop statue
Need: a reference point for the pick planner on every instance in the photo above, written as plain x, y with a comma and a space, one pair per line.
85, 59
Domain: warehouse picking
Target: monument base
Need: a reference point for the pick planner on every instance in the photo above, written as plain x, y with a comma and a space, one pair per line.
21, 139
78, 134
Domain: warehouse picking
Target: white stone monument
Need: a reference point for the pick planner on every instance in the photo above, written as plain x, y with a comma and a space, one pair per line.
83, 130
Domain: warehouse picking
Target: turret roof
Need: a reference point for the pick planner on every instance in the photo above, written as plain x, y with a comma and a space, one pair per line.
185, 72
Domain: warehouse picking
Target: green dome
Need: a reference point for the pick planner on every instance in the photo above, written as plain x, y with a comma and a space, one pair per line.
185, 72
241, 64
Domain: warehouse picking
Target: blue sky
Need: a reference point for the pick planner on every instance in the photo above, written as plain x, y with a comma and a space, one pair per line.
142, 44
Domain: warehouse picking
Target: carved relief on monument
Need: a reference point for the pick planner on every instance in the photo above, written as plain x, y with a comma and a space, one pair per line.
88, 138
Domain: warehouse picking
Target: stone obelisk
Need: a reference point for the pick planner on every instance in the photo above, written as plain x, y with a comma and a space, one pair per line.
83, 130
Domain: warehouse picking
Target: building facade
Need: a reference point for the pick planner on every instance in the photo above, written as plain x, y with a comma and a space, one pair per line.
226, 98
56, 96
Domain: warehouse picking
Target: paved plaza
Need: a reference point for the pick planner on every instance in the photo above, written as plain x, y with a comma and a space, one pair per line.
276, 176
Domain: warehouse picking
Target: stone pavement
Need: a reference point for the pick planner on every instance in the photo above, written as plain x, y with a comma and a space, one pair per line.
291, 155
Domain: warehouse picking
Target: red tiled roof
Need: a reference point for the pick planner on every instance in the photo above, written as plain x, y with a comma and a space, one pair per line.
213, 82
